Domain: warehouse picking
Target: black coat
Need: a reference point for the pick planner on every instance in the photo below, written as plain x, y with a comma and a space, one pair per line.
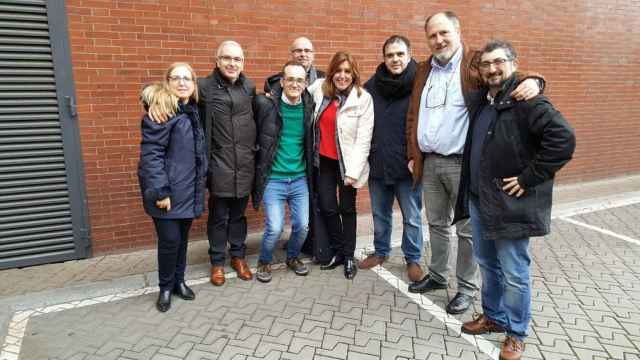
269, 119
173, 162
227, 114
388, 154
530, 140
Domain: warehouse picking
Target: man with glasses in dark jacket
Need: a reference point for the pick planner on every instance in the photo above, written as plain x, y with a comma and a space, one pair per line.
301, 50
284, 165
512, 152
389, 178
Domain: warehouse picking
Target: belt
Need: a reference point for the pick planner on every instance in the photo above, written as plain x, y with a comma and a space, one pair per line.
450, 156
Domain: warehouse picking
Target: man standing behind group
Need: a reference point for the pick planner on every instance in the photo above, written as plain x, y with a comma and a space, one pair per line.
389, 178
301, 50
437, 123
225, 102
283, 166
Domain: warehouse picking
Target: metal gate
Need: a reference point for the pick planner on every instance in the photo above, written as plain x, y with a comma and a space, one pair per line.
43, 215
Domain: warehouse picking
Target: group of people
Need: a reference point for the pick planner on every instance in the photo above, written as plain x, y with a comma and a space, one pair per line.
463, 132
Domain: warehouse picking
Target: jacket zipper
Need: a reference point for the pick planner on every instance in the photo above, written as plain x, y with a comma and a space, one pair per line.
235, 146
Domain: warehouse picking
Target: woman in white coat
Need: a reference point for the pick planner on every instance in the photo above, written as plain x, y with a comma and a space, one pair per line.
343, 128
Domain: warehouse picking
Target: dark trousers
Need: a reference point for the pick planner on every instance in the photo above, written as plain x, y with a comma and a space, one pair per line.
339, 212
173, 237
226, 224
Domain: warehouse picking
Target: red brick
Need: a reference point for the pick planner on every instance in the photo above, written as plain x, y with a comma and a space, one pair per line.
116, 46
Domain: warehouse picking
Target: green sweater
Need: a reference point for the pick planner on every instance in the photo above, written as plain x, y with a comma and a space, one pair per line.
289, 161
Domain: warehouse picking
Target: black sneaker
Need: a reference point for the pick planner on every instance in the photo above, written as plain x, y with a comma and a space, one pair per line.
263, 273
297, 266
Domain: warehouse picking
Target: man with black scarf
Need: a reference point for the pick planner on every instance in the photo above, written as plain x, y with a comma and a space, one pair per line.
389, 178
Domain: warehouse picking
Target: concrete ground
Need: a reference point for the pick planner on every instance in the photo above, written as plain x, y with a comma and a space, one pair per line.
586, 301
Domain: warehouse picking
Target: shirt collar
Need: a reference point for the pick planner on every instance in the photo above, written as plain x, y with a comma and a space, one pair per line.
452, 64
490, 98
286, 100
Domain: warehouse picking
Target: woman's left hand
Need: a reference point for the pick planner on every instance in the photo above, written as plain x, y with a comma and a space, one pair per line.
348, 181
164, 204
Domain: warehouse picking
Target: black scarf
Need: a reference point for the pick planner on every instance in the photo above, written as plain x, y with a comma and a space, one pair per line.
395, 86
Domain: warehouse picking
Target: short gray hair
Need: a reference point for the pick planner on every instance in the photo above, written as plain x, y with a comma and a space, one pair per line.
449, 15
225, 43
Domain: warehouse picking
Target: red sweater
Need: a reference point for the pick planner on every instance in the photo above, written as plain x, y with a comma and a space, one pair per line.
328, 146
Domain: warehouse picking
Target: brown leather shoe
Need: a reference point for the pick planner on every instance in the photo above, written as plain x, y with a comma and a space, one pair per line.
512, 349
372, 261
241, 267
217, 275
481, 325
414, 271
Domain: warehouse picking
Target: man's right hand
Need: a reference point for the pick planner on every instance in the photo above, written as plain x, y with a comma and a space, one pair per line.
410, 166
158, 116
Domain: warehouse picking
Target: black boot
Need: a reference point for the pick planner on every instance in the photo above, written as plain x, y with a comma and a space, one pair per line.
183, 291
336, 261
164, 300
350, 268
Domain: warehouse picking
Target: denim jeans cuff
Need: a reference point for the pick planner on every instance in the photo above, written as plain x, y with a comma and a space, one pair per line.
519, 337
413, 261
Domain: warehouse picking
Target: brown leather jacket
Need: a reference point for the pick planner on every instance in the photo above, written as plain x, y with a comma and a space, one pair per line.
471, 82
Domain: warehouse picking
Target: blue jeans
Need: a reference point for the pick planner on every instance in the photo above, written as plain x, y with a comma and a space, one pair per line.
410, 201
295, 192
504, 266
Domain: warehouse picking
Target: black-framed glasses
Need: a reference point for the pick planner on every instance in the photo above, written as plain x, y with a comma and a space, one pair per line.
437, 95
484, 65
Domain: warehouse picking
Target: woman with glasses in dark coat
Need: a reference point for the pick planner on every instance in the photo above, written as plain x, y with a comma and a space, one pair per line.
172, 174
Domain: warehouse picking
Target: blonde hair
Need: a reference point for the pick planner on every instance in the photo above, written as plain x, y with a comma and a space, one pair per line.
159, 96
171, 67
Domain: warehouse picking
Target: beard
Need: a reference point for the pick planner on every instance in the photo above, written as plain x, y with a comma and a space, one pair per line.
444, 55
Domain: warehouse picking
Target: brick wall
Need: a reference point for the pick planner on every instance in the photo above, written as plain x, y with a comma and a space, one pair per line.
589, 52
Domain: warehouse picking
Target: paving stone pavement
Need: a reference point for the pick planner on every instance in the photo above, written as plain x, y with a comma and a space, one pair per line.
585, 305
586, 291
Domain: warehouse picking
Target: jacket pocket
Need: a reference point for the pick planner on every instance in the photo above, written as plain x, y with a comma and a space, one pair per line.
515, 209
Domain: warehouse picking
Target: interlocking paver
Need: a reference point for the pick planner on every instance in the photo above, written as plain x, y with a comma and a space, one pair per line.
359, 356
304, 354
338, 350
586, 305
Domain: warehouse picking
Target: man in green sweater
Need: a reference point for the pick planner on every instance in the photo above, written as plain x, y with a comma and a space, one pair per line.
283, 166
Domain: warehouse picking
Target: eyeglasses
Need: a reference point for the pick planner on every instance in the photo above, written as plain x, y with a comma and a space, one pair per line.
177, 79
228, 59
484, 65
437, 95
292, 80
300, 51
